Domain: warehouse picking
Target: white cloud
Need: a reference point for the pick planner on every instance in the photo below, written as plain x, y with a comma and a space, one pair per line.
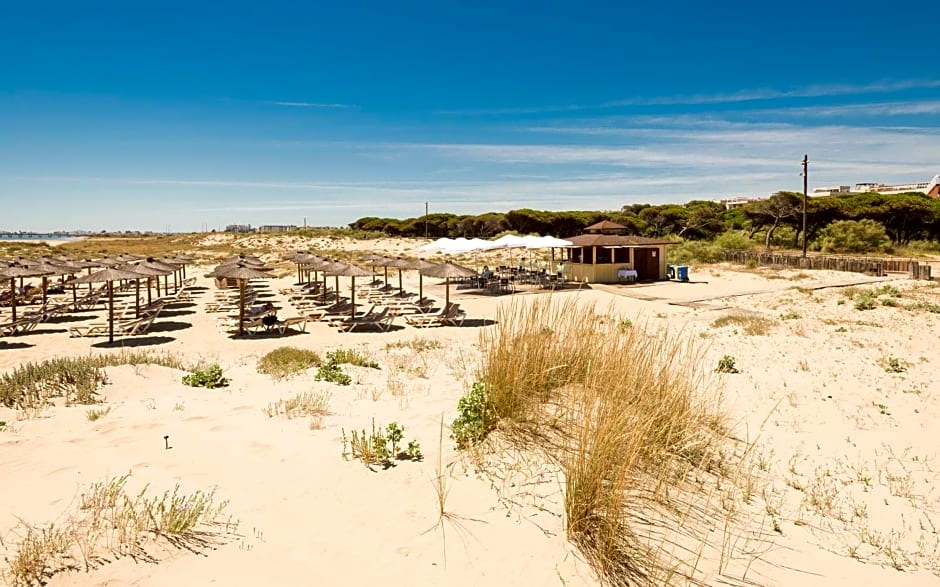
309, 104
753, 95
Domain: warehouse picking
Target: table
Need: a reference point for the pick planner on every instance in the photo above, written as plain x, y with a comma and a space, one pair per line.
628, 275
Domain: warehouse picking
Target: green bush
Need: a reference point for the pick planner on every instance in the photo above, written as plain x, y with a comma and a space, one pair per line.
476, 417
211, 377
703, 251
865, 300
332, 372
381, 447
854, 236
727, 365
350, 357
287, 361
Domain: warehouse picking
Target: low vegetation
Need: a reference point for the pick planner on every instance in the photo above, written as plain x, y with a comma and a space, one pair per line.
350, 357
381, 447
727, 365
286, 361
634, 437
316, 405
333, 373
76, 379
111, 521
751, 325
475, 417
209, 376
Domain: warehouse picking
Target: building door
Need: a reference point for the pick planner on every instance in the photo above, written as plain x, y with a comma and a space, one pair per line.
646, 263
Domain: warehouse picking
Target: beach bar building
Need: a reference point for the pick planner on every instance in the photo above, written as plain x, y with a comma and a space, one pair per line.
604, 253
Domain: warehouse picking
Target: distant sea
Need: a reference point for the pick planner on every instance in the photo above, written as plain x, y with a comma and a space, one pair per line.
38, 238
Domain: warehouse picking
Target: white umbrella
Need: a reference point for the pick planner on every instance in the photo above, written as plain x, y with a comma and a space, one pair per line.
436, 245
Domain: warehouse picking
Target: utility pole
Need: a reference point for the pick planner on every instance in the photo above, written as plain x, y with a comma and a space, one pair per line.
425, 220
805, 184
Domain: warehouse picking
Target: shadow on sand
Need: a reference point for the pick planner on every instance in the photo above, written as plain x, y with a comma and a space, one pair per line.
134, 342
169, 326
4, 345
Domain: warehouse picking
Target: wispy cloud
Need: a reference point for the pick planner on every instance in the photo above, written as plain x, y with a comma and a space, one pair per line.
752, 95
309, 104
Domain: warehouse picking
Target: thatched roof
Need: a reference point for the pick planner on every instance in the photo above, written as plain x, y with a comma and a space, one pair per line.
605, 226
616, 240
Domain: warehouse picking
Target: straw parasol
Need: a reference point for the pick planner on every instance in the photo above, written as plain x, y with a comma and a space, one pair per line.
447, 271
144, 271
242, 273
109, 275
155, 268
332, 268
352, 272
44, 268
379, 261
400, 264
12, 272
419, 265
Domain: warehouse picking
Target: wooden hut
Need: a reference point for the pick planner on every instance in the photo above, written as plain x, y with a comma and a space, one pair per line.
604, 253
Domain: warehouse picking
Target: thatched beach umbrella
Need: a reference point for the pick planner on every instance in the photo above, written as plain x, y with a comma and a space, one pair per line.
385, 262
447, 271
109, 275
421, 264
11, 272
144, 271
400, 264
334, 268
242, 273
45, 270
352, 272
155, 268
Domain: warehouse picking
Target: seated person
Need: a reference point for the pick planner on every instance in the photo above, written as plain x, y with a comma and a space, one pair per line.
485, 275
561, 270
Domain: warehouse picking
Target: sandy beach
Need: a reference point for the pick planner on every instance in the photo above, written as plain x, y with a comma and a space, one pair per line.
838, 402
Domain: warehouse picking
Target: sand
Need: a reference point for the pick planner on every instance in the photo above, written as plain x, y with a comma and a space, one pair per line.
843, 465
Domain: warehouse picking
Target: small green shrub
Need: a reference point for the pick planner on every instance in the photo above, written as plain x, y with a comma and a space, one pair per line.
727, 365
286, 361
350, 357
476, 417
790, 316
418, 345
894, 365
211, 377
94, 414
865, 300
381, 447
926, 306
332, 373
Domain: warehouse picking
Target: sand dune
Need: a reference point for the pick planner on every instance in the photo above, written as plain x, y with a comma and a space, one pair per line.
843, 467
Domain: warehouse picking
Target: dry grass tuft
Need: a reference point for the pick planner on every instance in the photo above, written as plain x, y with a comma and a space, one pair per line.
621, 411
313, 404
111, 521
76, 379
287, 361
749, 324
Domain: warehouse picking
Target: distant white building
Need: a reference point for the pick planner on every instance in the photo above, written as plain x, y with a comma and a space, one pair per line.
926, 187
738, 202
238, 228
276, 227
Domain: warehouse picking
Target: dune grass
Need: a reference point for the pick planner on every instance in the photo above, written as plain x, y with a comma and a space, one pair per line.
76, 379
625, 414
110, 522
313, 404
287, 361
749, 324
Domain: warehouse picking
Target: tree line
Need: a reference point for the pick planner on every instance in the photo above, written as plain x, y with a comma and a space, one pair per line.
905, 217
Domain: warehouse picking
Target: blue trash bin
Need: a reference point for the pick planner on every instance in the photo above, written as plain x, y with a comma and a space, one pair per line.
682, 272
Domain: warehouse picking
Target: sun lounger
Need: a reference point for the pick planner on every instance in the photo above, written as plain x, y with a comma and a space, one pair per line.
381, 320
449, 315
122, 327
284, 325
20, 326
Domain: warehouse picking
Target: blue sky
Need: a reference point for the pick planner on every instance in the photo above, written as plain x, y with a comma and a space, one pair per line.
178, 116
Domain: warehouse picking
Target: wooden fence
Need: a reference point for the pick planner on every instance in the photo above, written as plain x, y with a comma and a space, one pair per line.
868, 265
